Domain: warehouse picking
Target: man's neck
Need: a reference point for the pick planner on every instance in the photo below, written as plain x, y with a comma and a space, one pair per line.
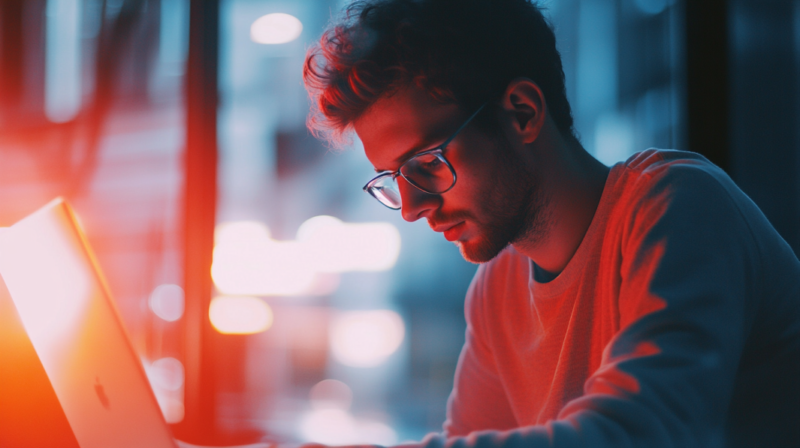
573, 184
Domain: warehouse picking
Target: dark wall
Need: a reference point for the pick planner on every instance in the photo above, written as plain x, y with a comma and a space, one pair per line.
764, 144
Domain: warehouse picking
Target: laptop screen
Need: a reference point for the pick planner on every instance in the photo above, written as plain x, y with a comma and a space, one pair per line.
73, 325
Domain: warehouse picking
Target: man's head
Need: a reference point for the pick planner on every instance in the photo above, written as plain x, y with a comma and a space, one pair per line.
463, 52
405, 75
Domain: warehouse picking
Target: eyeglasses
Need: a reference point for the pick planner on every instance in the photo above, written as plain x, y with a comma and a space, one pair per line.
428, 171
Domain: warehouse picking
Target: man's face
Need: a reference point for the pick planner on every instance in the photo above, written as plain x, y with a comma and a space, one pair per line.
495, 200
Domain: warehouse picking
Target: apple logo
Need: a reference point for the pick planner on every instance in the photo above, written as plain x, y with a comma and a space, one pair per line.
101, 394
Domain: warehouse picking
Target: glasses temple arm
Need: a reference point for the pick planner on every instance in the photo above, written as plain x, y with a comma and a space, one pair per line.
464, 125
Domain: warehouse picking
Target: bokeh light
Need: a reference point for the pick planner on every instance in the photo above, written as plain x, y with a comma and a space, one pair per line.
276, 28
339, 247
263, 268
240, 315
172, 409
166, 376
166, 373
63, 85
248, 262
331, 394
166, 302
241, 232
338, 427
365, 338
653, 6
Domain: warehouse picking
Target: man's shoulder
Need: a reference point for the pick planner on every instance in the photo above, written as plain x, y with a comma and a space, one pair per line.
684, 192
664, 173
655, 162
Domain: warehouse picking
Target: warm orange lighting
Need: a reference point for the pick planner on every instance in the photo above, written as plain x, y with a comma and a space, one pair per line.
365, 338
166, 302
276, 28
336, 246
240, 315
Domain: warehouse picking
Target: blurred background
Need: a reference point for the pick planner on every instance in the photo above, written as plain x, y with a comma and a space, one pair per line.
176, 129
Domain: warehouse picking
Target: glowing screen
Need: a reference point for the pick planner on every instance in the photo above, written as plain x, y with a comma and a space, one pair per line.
48, 279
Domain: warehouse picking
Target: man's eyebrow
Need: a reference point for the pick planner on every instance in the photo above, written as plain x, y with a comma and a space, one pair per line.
423, 145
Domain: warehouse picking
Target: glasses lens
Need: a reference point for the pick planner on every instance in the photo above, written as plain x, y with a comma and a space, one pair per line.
385, 190
429, 172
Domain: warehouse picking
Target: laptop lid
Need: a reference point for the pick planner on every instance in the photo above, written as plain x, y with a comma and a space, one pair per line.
27, 400
75, 329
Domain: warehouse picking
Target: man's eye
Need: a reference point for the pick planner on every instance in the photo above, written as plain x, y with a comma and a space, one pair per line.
431, 164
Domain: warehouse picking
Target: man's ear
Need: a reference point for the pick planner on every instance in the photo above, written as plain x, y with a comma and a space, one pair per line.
524, 103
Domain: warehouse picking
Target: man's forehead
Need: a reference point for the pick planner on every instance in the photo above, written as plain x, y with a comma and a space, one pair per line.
403, 122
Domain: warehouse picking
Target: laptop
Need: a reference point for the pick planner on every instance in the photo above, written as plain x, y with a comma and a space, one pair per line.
27, 400
49, 273
66, 310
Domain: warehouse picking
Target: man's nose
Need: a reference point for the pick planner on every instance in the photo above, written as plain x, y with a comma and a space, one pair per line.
416, 203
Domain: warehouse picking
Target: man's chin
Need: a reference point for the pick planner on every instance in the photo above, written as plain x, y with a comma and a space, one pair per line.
479, 251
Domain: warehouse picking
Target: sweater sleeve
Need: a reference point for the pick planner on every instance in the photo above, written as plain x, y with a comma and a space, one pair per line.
689, 287
478, 400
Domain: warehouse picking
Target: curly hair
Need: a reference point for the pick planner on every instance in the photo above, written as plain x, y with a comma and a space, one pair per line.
460, 51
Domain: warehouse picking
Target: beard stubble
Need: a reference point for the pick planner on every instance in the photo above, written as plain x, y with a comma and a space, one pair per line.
513, 209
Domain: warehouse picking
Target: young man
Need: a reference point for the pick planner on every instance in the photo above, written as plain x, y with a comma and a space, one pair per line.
649, 304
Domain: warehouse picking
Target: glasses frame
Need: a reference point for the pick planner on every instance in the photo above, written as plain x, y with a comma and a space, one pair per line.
437, 151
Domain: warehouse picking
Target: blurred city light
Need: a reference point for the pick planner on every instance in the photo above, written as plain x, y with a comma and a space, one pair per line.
365, 338
375, 433
166, 373
63, 60
653, 6
338, 427
276, 28
325, 283
262, 268
166, 302
248, 262
171, 408
614, 138
240, 315
241, 233
340, 247
166, 376
328, 426
331, 394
